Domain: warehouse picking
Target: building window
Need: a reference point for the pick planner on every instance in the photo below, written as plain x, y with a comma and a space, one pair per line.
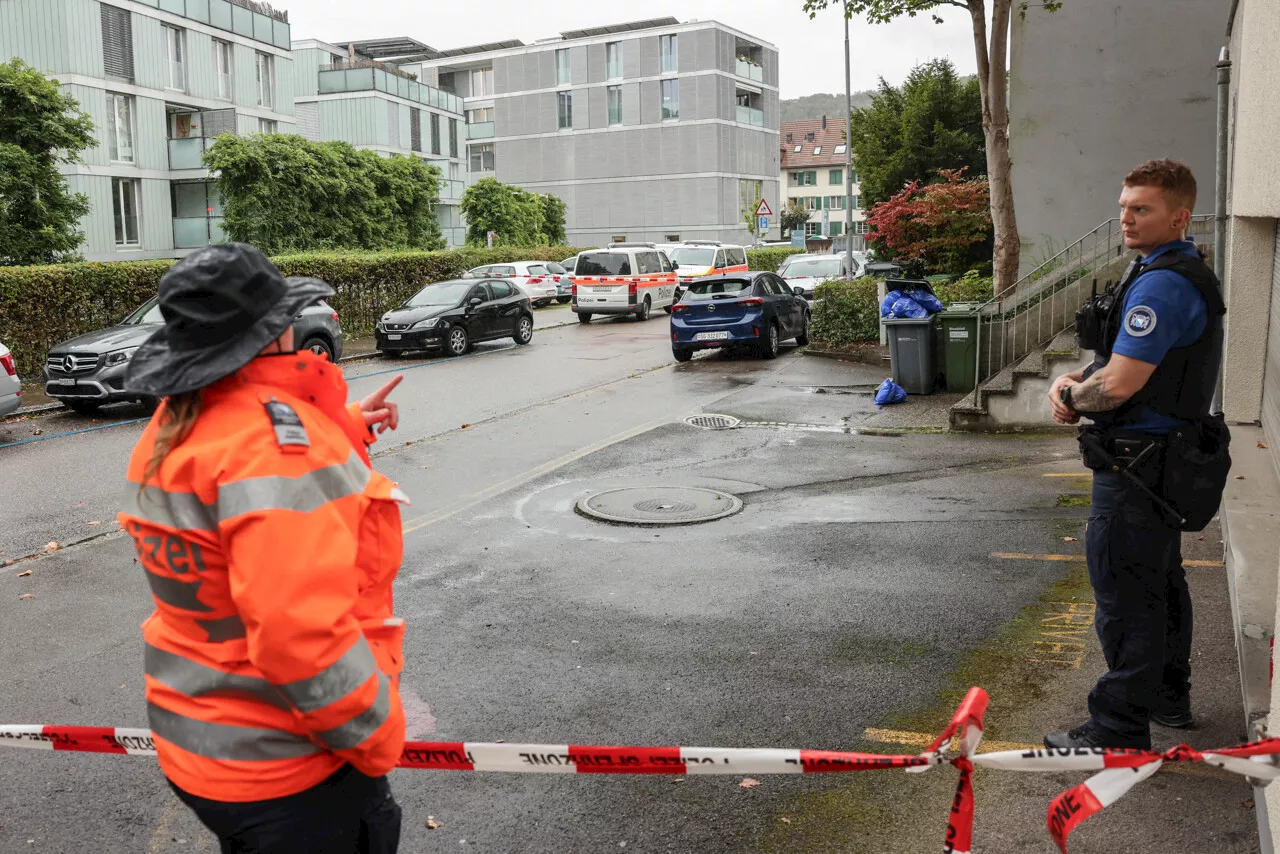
841, 148
836, 228
415, 129
857, 203
803, 179
614, 95
481, 82
435, 133
124, 195
564, 110
475, 117
854, 175
120, 127
835, 203
619, 238
265, 72
813, 203
117, 42
453, 137
670, 99
860, 228
562, 67
798, 149
267, 126
813, 229
673, 238
669, 49
482, 158
817, 149
836, 176
175, 52
613, 60
222, 65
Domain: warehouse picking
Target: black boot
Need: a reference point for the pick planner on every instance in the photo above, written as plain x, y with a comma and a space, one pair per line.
1087, 735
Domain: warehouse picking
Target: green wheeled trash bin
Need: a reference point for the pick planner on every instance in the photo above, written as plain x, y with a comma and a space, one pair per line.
960, 345
912, 353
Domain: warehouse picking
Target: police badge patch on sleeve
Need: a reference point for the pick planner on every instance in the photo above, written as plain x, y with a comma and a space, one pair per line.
1140, 321
287, 424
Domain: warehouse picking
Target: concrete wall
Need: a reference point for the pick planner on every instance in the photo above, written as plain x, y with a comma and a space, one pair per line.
1098, 88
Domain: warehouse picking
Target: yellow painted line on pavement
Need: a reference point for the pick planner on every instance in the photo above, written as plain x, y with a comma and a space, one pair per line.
1214, 564
920, 739
530, 474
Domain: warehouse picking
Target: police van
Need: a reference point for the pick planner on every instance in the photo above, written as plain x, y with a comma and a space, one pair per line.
704, 257
625, 278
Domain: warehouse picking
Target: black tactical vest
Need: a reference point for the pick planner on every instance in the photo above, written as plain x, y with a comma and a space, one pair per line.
1183, 383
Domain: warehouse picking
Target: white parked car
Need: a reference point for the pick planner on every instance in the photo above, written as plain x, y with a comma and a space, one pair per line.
804, 273
10, 385
532, 277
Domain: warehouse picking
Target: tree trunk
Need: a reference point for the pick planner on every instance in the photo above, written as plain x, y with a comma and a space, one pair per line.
993, 78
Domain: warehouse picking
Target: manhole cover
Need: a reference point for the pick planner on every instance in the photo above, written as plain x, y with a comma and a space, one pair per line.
659, 505
712, 422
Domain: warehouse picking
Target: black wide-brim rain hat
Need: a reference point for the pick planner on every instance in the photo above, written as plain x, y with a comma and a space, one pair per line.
222, 306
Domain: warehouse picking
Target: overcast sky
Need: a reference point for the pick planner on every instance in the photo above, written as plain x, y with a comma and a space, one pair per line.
811, 51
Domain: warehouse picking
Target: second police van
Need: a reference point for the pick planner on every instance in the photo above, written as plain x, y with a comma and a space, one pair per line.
696, 258
625, 278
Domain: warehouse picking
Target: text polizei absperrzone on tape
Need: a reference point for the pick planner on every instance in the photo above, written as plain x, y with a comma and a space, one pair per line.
1118, 770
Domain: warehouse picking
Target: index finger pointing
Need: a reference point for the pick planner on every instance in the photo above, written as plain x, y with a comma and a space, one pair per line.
389, 387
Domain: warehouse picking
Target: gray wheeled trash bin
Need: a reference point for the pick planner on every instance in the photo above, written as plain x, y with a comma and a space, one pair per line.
912, 353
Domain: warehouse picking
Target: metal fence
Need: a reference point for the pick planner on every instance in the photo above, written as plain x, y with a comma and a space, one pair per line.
1043, 303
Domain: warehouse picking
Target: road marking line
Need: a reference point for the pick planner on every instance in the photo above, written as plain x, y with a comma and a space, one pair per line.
1213, 564
73, 432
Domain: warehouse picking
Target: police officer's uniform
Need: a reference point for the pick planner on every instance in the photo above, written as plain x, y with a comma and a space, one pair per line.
1167, 311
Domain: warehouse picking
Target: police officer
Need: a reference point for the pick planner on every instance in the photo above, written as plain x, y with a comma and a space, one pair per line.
1157, 357
270, 545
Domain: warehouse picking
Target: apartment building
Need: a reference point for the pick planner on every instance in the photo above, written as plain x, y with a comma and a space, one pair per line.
160, 79
654, 130
345, 92
813, 156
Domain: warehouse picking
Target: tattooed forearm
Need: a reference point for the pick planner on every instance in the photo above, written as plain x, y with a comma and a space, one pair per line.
1093, 395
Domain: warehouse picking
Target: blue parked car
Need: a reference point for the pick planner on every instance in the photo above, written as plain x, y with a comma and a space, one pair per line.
755, 310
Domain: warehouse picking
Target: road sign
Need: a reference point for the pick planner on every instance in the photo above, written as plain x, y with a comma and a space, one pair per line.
764, 224
762, 209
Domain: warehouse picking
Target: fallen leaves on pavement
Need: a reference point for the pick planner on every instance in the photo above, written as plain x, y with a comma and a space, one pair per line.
432, 824
1239, 477
52, 546
748, 783
785, 820
24, 574
1263, 445
1069, 539
95, 523
27, 596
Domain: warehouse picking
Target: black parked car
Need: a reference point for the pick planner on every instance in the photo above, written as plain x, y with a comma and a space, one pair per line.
746, 310
88, 371
451, 316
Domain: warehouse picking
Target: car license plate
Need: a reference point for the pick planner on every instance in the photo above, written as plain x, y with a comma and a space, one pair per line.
711, 336
393, 337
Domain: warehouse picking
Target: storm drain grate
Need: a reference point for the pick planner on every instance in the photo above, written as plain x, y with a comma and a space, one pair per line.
659, 505
712, 422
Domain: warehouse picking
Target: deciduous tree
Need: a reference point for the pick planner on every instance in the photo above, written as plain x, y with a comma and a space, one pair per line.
553, 209
40, 129
991, 49
947, 225
515, 215
794, 215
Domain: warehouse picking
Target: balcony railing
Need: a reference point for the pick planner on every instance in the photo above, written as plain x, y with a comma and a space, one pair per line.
452, 189
750, 116
480, 130
375, 79
192, 232
188, 153
750, 70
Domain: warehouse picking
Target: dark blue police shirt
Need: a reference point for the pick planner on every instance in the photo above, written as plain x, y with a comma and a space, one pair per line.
1162, 310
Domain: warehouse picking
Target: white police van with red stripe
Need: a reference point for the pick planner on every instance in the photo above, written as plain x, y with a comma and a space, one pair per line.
625, 278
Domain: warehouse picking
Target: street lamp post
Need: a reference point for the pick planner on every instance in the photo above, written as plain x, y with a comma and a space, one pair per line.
848, 151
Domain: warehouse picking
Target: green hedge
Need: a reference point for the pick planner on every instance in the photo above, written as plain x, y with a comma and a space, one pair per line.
43, 306
769, 259
846, 313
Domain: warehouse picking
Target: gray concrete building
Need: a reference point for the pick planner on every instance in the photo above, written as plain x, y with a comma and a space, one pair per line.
655, 130
1097, 88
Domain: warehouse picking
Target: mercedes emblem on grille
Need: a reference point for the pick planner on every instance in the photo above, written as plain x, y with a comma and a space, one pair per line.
69, 363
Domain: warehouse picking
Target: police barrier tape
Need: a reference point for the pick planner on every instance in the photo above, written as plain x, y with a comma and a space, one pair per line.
1118, 770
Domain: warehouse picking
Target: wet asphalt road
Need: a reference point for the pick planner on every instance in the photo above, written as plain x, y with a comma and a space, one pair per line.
858, 571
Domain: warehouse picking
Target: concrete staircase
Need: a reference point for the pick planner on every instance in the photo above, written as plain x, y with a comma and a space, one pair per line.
1015, 398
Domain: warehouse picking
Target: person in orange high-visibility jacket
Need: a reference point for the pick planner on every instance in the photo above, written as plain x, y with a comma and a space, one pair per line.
270, 544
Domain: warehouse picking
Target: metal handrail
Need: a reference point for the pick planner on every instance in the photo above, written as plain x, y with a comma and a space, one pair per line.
1080, 261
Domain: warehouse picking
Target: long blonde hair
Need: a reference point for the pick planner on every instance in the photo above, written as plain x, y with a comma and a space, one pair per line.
177, 417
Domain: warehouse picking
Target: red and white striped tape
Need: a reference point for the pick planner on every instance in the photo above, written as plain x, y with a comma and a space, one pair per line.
1118, 770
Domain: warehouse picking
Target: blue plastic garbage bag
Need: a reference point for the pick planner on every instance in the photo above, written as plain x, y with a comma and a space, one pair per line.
931, 303
886, 305
907, 307
890, 392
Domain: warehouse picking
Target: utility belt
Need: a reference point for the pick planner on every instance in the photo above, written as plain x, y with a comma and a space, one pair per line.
1183, 473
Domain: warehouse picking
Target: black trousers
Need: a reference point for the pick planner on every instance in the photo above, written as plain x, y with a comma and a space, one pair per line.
1143, 616
348, 813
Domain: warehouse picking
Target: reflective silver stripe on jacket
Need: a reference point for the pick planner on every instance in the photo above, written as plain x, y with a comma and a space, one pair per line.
196, 680
354, 732
176, 593
220, 741
336, 681
303, 494
224, 629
